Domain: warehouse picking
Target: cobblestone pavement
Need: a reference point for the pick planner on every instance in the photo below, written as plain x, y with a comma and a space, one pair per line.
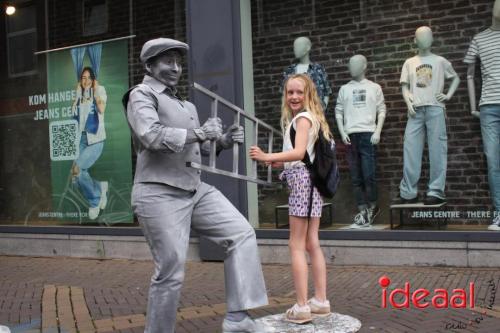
82, 295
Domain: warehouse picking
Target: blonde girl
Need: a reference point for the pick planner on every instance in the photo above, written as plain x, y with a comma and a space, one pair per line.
301, 108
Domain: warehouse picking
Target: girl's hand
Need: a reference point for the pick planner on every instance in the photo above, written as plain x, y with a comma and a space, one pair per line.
257, 154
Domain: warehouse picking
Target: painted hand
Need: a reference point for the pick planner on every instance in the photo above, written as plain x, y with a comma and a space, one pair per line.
212, 128
234, 134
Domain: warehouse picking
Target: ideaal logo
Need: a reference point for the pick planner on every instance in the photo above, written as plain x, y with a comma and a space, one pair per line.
441, 299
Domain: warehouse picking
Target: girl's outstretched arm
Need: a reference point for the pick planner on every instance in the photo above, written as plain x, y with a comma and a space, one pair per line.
296, 154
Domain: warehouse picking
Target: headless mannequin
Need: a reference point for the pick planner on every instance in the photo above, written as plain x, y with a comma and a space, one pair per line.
471, 68
424, 40
357, 68
301, 49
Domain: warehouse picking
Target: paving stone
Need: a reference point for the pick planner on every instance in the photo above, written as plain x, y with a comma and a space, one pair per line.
109, 292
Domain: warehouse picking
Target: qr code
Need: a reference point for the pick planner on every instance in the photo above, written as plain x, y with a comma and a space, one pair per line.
63, 140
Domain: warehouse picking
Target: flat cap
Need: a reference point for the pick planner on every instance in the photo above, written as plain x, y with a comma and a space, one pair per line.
156, 46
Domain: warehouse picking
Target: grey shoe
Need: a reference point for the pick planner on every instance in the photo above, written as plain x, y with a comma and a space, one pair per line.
372, 213
247, 325
361, 220
495, 226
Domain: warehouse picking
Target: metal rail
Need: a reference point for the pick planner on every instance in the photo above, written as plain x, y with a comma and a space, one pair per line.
239, 113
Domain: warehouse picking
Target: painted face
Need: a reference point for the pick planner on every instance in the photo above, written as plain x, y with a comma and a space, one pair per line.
167, 68
86, 80
423, 38
295, 95
300, 47
357, 66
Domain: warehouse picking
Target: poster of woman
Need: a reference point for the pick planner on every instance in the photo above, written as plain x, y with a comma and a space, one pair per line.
90, 147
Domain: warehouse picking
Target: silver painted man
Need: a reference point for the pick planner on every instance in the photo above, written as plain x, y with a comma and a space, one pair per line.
169, 199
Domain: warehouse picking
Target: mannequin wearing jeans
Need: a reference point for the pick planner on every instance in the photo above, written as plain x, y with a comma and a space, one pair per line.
360, 114
486, 46
422, 81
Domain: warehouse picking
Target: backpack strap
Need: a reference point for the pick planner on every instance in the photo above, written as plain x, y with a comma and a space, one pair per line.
307, 162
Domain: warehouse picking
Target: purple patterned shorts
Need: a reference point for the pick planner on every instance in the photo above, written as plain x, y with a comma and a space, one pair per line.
299, 185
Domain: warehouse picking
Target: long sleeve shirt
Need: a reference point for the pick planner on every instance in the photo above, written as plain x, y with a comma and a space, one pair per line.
359, 104
159, 121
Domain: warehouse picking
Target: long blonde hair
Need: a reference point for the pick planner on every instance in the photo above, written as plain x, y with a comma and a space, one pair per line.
311, 104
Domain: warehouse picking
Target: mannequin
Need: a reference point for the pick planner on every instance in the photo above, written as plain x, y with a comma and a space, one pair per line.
422, 80
486, 46
360, 114
302, 48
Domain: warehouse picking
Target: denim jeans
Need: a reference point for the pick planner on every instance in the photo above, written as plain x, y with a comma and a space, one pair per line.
490, 129
361, 156
428, 122
89, 154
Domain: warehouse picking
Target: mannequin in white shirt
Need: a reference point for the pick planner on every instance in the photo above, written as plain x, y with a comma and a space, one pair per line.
360, 114
357, 68
423, 80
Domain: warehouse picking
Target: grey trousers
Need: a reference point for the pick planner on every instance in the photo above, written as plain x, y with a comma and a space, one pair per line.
166, 215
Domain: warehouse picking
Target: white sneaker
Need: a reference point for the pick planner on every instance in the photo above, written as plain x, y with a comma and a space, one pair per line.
4, 329
495, 226
298, 314
361, 220
104, 195
94, 212
319, 309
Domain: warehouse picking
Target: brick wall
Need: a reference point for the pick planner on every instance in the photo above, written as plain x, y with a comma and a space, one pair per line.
383, 31
150, 19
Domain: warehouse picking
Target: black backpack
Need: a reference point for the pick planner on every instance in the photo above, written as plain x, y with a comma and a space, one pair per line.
324, 169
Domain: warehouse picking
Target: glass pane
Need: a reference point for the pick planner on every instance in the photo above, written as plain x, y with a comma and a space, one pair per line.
25, 176
452, 163
95, 18
21, 53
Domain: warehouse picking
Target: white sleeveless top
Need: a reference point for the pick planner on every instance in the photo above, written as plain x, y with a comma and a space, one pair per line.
311, 139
